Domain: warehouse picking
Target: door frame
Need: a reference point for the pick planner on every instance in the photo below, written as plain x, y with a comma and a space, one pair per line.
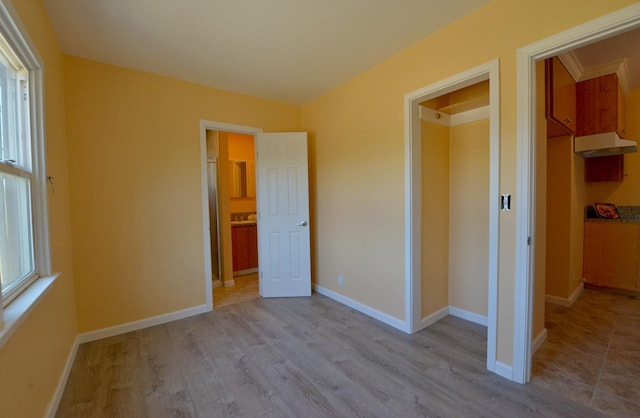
413, 198
208, 125
606, 26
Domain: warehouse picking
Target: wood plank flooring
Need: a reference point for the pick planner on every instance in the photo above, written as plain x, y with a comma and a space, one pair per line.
298, 357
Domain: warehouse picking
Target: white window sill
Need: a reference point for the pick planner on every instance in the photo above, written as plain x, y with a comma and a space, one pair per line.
20, 308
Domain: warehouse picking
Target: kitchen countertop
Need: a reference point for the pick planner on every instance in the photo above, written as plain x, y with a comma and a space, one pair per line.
627, 214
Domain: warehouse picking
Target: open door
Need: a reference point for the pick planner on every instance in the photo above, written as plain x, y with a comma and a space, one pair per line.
283, 214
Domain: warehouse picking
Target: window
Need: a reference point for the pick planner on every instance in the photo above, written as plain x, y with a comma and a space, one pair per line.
17, 263
24, 252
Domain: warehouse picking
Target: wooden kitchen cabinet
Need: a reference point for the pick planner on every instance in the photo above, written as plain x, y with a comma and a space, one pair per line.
600, 105
610, 168
244, 247
560, 95
611, 254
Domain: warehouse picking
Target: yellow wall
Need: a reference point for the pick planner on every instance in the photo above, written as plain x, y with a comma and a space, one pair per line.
357, 143
578, 201
435, 217
565, 218
559, 175
625, 192
224, 208
455, 213
32, 360
469, 216
136, 204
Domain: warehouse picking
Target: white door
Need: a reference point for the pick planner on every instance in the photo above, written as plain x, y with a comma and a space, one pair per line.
283, 214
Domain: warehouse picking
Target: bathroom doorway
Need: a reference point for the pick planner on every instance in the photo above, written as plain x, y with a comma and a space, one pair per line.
232, 216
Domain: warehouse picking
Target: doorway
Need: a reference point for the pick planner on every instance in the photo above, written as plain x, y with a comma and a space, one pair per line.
209, 135
607, 26
417, 317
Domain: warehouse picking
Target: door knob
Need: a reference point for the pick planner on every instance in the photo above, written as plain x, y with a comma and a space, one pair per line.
302, 223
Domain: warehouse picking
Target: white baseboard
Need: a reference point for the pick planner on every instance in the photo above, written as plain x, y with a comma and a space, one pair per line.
564, 301
52, 408
143, 323
469, 316
504, 370
229, 283
538, 340
452, 310
360, 307
433, 318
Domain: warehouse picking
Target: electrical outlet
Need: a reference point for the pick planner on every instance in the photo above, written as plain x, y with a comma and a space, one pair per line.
340, 280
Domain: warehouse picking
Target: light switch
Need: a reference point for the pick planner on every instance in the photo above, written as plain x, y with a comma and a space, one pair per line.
505, 202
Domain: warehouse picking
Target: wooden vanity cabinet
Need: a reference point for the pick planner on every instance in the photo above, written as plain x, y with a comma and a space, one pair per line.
560, 95
244, 247
611, 254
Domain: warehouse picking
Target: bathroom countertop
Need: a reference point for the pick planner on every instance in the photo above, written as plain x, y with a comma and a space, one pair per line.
243, 223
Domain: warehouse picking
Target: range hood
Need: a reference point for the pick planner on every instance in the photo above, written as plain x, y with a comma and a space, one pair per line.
602, 145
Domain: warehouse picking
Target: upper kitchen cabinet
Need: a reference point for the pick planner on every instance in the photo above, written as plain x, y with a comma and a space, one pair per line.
600, 104
560, 106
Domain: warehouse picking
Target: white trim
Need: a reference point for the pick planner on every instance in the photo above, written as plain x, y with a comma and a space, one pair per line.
20, 308
360, 307
620, 67
612, 24
229, 283
208, 125
434, 317
572, 64
468, 316
473, 115
413, 195
503, 370
565, 301
538, 341
52, 408
17, 37
433, 116
143, 323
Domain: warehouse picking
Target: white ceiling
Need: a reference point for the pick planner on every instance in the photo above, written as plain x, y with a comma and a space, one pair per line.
290, 51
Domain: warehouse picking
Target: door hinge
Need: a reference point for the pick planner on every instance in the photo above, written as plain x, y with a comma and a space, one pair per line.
529, 240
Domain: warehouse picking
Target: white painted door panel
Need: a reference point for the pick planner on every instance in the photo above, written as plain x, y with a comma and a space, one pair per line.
283, 211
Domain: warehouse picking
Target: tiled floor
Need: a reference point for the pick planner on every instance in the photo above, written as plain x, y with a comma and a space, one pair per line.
245, 288
592, 352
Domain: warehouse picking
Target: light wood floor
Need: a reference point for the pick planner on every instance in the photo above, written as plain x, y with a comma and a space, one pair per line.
246, 288
297, 357
592, 352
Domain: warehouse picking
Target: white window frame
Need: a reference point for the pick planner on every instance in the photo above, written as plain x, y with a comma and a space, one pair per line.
15, 312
